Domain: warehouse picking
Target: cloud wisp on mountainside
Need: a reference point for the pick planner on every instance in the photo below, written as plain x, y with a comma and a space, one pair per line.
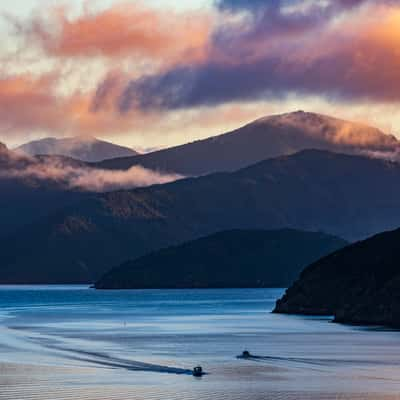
77, 176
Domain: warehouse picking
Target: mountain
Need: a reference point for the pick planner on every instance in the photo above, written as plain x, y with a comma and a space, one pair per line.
27, 192
86, 149
22, 204
230, 259
358, 284
264, 138
348, 196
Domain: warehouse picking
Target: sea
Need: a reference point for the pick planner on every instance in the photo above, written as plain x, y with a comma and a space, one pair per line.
76, 343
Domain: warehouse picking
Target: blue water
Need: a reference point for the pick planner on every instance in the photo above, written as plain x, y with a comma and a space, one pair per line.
72, 342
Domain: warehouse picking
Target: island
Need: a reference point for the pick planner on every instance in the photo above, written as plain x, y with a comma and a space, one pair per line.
228, 259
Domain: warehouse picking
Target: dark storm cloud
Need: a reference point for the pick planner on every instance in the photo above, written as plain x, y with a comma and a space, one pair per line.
275, 4
279, 52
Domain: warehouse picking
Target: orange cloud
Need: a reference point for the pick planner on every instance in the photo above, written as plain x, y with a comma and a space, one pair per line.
363, 49
123, 30
357, 57
377, 60
27, 102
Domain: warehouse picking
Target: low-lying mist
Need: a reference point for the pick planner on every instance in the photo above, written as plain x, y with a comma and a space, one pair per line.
81, 177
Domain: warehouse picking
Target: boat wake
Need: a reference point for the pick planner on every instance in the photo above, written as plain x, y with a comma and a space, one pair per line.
52, 347
116, 362
107, 361
309, 361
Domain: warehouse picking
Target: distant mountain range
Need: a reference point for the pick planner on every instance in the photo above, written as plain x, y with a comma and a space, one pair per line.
34, 187
239, 258
347, 196
87, 149
358, 284
54, 229
265, 138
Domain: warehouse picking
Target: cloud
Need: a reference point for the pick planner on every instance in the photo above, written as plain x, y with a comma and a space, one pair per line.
27, 101
122, 30
354, 57
70, 68
256, 5
360, 137
102, 180
83, 178
34, 104
157, 66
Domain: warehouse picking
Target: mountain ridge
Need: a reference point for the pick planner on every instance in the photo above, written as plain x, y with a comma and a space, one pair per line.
266, 137
307, 191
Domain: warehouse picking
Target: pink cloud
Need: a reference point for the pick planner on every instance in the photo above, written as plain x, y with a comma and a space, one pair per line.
75, 176
122, 30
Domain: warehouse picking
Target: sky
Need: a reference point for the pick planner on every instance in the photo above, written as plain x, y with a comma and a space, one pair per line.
156, 73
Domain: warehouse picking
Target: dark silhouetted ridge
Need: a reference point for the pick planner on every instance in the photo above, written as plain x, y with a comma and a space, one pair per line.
357, 284
238, 258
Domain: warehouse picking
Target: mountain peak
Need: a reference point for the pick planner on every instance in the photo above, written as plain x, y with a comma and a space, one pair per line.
338, 132
85, 148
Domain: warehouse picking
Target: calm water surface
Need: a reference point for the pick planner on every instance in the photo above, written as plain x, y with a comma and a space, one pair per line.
71, 342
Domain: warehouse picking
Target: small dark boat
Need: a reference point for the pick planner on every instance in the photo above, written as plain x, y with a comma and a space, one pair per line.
246, 354
198, 371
